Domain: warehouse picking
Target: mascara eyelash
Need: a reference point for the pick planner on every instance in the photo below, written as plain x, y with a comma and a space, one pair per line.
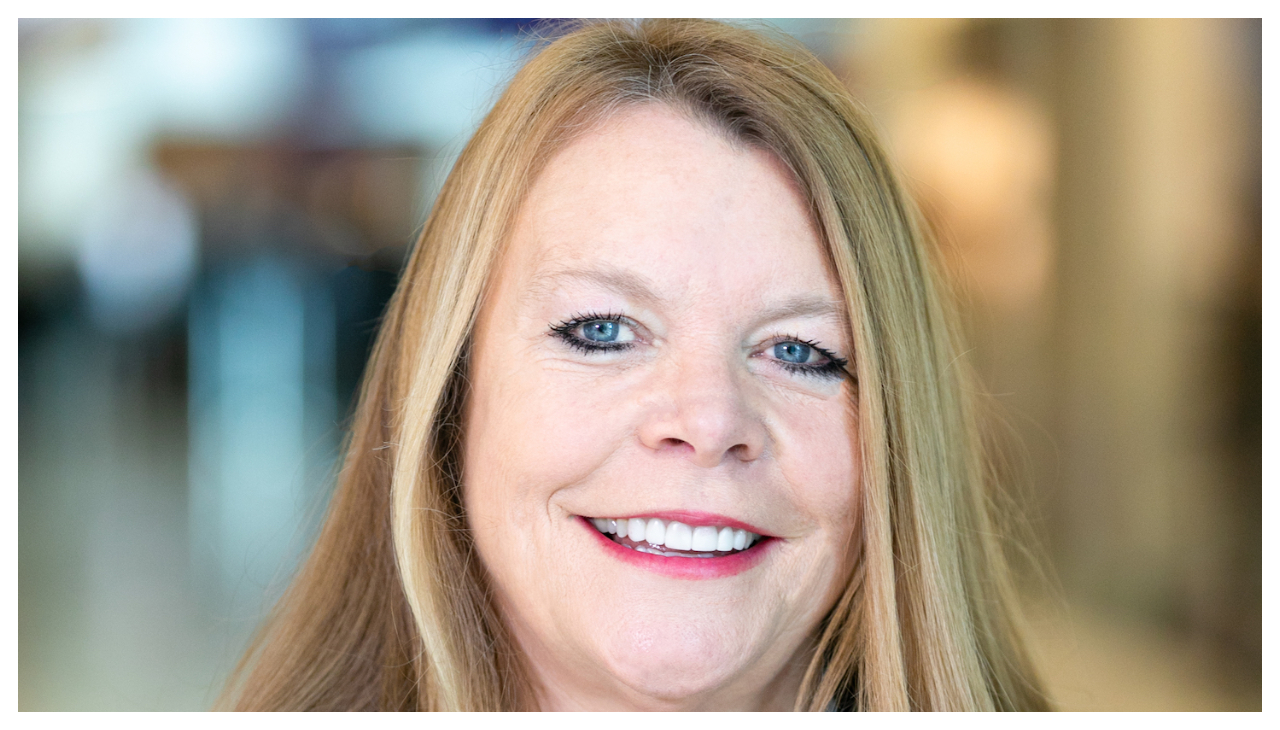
835, 367
564, 332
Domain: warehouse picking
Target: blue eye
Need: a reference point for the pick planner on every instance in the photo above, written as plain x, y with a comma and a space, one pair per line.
600, 331
792, 352
802, 357
596, 333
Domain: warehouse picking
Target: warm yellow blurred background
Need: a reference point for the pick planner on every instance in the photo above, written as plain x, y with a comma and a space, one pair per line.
213, 213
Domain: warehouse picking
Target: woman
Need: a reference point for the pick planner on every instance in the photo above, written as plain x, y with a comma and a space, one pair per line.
666, 413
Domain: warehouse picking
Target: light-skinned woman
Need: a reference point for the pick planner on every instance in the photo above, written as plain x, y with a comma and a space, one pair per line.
667, 412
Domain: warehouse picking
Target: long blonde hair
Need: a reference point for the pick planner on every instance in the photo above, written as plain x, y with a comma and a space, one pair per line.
393, 609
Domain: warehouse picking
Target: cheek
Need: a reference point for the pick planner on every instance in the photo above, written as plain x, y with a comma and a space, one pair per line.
818, 450
529, 435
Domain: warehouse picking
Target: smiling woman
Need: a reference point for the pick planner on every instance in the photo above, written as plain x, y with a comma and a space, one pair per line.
688, 418
663, 415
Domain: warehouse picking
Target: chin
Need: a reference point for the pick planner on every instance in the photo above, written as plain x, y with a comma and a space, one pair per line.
674, 662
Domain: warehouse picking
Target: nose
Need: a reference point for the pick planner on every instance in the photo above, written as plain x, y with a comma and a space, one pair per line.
698, 406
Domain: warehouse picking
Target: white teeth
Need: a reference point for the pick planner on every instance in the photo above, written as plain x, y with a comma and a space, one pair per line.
636, 528
724, 540
679, 536
655, 532
676, 536
704, 539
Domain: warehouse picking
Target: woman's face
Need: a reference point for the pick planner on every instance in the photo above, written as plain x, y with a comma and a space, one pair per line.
661, 355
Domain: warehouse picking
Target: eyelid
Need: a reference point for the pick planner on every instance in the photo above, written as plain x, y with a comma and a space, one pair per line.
578, 320
818, 347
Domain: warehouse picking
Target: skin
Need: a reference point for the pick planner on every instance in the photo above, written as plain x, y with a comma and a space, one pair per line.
705, 247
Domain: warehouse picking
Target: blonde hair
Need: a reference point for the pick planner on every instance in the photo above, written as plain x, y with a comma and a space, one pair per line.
393, 609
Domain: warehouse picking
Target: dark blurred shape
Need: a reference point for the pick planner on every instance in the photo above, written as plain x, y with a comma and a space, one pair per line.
284, 231
347, 213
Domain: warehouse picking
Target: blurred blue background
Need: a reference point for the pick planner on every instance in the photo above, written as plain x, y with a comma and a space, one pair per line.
213, 213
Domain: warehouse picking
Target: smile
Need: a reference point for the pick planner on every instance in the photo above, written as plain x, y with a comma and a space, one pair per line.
672, 538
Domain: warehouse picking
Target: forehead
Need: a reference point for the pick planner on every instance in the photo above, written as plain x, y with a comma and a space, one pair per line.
672, 203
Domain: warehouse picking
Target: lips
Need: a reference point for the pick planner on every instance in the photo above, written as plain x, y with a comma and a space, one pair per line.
682, 544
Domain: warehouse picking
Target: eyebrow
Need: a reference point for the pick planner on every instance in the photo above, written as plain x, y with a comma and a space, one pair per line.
803, 306
629, 284
641, 289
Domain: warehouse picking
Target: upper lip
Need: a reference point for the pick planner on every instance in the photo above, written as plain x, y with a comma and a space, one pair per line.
692, 518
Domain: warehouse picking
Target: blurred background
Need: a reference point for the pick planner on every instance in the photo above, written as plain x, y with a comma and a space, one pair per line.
212, 215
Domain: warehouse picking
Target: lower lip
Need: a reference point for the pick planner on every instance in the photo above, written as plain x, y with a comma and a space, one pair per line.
686, 568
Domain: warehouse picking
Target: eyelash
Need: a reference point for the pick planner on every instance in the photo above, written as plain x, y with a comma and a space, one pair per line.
834, 367
564, 332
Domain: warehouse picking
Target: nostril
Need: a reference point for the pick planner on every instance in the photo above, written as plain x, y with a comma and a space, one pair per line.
674, 446
677, 444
